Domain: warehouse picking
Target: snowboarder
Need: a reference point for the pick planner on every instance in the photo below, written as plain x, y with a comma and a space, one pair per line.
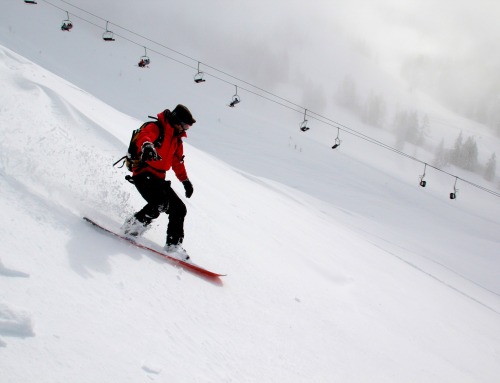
148, 177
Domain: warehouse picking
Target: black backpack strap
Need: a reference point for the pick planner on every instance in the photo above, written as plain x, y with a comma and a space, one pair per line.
161, 131
121, 159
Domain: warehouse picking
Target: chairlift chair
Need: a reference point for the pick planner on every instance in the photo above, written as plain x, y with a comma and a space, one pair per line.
30, 2
337, 143
423, 183
337, 140
198, 77
303, 124
108, 35
235, 100
144, 60
453, 195
66, 24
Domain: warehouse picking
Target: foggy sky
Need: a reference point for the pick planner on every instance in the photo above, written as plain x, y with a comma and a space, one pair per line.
297, 40
391, 28
447, 48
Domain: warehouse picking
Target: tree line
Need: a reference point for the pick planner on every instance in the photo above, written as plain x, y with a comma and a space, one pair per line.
412, 127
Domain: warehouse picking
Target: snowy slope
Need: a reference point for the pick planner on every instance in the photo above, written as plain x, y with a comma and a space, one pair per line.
316, 290
340, 267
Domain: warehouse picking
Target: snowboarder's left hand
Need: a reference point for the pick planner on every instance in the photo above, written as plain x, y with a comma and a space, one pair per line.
188, 187
149, 152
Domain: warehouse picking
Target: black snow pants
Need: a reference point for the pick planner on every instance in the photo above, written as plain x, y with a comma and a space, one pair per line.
161, 198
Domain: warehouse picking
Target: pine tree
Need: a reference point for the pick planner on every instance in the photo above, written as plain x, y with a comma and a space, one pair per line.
469, 155
412, 129
455, 154
441, 157
489, 171
422, 131
408, 128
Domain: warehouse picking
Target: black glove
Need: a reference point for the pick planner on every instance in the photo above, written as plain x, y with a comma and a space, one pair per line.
188, 187
149, 152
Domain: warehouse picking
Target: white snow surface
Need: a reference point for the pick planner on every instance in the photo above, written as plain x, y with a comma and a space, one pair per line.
339, 268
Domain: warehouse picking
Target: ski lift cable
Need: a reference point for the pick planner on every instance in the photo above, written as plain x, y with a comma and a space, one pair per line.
124, 37
130, 31
183, 63
186, 56
167, 56
294, 105
337, 124
275, 98
182, 54
177, 60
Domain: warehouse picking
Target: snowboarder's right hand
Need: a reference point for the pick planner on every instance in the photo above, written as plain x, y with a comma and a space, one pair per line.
188, 187
149, 152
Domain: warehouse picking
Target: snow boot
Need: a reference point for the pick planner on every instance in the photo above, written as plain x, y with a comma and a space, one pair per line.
177, 251
133, 227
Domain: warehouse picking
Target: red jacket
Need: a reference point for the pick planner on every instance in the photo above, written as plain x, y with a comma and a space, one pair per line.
171, 150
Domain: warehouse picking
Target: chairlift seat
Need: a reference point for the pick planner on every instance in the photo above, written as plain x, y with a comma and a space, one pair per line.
198, 77
66, 25
303, 126
144, 61
236, 100
108, 36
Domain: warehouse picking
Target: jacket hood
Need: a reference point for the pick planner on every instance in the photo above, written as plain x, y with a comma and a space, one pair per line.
165, 117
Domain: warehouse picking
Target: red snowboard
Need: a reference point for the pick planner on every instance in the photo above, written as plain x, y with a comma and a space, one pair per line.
186, 265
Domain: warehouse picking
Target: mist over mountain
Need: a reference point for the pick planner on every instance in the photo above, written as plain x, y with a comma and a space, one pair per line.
340, 266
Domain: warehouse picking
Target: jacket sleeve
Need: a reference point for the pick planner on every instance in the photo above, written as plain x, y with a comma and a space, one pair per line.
178, 163
148, 134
